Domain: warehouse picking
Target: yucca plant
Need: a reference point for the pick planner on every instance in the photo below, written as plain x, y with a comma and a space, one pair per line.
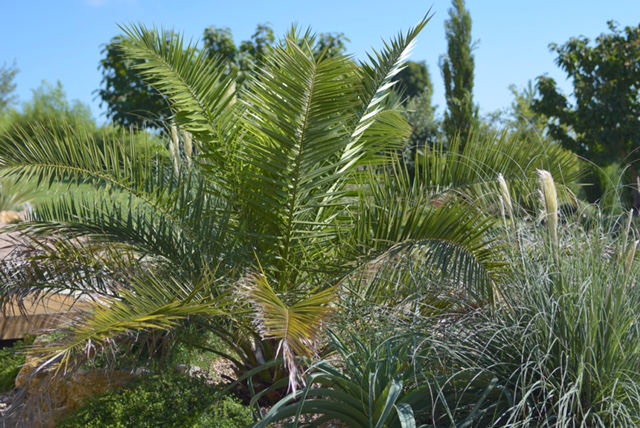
287, 187
390, 378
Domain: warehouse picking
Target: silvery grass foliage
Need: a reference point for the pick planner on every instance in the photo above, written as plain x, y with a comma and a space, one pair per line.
564, 345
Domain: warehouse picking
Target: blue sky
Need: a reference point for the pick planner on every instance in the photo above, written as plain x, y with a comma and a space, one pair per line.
61, 40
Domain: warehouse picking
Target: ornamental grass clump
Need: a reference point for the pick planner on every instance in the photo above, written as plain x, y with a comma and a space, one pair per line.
565, 350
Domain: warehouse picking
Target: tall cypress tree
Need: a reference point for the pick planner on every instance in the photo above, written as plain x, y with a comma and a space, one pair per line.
457, 71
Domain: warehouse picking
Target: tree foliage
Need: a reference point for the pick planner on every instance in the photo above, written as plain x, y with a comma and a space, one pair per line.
7, 85
415, 87
48, 106
414, 79
458, 73
129, 101
602, 124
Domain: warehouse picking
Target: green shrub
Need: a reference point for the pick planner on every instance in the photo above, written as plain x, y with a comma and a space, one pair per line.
11, 359
227, 413
161, 401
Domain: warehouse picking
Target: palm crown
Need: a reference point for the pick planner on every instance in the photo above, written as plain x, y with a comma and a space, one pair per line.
270, 198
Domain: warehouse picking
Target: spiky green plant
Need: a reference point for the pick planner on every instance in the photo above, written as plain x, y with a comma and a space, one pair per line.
297, 173
386, 378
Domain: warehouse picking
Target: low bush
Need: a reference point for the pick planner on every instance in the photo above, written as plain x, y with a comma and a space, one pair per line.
11, 360
161, 401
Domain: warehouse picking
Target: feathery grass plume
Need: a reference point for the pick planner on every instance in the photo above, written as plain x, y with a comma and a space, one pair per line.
625, 236
506, 197
549, 198
174, 147
188, 145
631, 254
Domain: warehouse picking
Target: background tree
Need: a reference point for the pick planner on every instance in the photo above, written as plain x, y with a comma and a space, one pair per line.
242, 60
457, 71
520, 115
602, 125
49, 107
129, 101
414, 79
7, 85
416, 88
331, 45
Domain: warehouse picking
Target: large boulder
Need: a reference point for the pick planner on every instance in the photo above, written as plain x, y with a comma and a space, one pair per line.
51, 395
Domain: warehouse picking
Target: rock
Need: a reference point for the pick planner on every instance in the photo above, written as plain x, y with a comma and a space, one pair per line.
53, 395
9, 216
142, 371
193, 371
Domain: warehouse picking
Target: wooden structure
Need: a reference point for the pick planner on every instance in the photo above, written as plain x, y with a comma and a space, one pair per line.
37, 314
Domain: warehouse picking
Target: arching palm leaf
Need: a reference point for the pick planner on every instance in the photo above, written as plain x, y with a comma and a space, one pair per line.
199, 88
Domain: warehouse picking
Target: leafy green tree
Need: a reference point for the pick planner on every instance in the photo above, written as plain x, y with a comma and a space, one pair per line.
519, 115
458, 73
420, 113
218, 43
48, 106
414, 85
129, 101
522, 112
602, 124
330, 45
7, 85
414, 79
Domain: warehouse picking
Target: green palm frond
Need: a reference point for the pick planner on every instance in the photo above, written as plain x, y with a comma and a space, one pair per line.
310, 124
376, 86
59, 265
114, 197
454, 240
292, 147
60, 153
15, 195
151, 303
397, 220
178, 221
296, 115
198, 87
473, 172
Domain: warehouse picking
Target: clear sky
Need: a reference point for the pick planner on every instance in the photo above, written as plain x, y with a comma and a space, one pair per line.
61, 40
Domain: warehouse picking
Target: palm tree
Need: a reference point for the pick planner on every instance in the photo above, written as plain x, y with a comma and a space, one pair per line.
271, 197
